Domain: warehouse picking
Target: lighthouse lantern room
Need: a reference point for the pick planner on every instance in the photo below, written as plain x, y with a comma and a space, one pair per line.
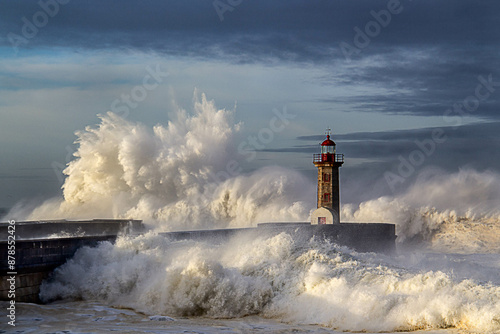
328, 163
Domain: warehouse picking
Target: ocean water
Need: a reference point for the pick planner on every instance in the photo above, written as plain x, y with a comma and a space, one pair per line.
445, 277
93, 317
150, 284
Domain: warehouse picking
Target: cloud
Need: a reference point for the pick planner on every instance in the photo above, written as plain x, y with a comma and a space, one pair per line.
426, 58
370, 155
292, 30
460, 145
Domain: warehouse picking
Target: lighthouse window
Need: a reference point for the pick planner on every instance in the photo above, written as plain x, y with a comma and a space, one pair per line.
327, 149
326, 177
326, 197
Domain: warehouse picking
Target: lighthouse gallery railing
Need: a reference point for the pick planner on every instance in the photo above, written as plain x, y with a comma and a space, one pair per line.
328, 157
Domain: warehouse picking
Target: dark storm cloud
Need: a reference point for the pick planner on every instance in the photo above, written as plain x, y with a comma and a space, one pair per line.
304, 30
427, 57
426, 87
461, 145
474, 146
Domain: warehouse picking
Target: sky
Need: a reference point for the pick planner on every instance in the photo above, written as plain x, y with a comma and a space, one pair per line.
409, 88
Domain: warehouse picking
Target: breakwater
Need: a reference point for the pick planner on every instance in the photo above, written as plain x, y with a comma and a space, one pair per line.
36, 258
363, 237
48, 229
31, 250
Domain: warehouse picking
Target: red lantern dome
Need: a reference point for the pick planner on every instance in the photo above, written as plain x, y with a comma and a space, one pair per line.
328, 141
328, 152
328, 146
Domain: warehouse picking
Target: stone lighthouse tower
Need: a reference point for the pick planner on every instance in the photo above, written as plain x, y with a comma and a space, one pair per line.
328, 163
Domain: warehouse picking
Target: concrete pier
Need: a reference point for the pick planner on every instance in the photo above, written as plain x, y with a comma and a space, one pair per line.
37, 258
62, 228
42, 246
362, 237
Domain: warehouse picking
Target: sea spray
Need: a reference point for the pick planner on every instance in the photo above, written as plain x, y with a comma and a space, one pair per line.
457, 212
167, 176
164, 176
312, 282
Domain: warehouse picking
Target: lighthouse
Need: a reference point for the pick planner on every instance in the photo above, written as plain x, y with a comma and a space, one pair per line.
328, 163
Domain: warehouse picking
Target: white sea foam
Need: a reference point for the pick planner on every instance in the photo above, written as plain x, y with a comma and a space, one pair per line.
175, 177
165, 176
275, 277
180, 176
457, 212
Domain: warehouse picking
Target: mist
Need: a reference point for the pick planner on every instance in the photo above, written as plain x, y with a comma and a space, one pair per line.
184, 175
